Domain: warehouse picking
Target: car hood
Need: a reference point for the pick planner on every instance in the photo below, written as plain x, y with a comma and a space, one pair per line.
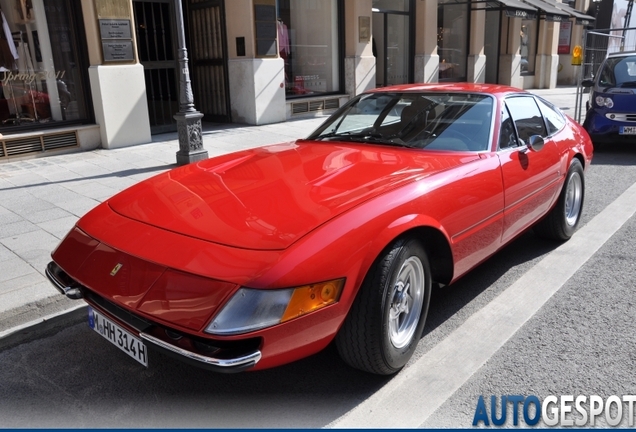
269, 197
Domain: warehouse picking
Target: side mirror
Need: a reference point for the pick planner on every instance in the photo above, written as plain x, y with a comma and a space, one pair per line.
587, 83
535, 143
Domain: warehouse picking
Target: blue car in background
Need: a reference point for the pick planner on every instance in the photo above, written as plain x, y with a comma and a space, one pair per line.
611, 115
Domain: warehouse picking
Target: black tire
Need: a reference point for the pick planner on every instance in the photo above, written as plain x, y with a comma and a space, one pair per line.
563, 219
379, 336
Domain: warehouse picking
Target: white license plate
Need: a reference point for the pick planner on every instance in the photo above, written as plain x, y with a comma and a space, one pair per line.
628, 130
122, 339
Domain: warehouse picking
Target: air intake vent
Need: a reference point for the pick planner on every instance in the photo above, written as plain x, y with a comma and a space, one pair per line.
60, 141
24, 145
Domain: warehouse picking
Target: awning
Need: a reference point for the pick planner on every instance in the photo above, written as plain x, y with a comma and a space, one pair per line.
581, 18
549, 12
513, 8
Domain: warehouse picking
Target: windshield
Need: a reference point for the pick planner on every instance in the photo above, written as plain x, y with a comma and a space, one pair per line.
618, 72
437, 121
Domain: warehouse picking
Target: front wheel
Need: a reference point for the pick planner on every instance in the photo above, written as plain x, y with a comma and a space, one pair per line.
563, 219
387, 317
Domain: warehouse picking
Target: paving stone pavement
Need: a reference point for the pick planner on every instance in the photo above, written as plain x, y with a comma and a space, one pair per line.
41, 199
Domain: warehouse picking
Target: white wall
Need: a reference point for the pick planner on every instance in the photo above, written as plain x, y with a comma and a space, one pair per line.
257, 90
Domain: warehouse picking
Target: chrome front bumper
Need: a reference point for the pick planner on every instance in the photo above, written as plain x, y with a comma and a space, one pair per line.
72, 289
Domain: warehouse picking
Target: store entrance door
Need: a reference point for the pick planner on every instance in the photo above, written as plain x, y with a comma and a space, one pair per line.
156, 49
208, 59
392, 45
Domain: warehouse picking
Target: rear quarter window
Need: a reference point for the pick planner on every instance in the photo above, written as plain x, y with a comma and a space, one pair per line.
554, 119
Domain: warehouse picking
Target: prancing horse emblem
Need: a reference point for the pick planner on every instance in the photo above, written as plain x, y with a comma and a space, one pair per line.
115, 269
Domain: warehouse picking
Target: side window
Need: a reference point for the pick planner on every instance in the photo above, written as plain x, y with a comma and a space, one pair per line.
507, 134
553, 118
526, 116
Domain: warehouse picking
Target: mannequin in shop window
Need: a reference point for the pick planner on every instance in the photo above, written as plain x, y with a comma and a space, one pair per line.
523, 51
8, 57
8, 51
283, 46
25, 10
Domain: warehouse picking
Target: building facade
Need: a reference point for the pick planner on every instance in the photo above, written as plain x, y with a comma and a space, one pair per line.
91, 73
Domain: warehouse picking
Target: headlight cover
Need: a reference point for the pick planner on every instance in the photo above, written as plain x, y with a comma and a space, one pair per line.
254, 309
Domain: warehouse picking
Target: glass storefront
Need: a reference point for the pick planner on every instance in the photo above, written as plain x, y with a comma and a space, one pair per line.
41, 70
308, 42
528, 46
452, 39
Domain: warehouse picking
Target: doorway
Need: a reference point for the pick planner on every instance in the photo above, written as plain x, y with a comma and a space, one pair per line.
208, 58
156, 50
392, 41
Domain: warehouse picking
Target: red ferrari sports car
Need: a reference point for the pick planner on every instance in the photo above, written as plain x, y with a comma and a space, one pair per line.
258, 258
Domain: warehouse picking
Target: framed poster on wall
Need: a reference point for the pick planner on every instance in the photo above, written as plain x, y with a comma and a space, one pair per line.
565, 34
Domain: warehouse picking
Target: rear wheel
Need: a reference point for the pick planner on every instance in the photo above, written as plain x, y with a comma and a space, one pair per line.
563, 219
387, 317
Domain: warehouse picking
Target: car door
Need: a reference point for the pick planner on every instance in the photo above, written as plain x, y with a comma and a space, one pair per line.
530, 178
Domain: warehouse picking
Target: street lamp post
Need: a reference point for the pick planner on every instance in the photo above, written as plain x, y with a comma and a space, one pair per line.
188, 118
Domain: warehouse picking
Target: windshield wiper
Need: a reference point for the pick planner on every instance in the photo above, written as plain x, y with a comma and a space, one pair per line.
370, 137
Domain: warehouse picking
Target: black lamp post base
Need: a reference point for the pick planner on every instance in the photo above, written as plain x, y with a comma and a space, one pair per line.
190, 138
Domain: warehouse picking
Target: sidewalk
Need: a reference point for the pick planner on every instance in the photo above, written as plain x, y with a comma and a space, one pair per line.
42, 198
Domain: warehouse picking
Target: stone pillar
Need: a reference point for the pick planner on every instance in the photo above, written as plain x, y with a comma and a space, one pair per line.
426, 62
118, 88
547, 60
510, 59
257, 85
359, 59
476, 58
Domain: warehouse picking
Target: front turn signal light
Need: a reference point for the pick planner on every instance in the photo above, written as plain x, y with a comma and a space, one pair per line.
309, 298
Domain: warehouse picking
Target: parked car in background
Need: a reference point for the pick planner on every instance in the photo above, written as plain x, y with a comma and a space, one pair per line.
258, 258
611, 115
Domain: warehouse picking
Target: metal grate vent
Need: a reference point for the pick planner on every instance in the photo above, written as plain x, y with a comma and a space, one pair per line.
37, 144
60, 141
332, 103
300, 107
24, 145
315, 105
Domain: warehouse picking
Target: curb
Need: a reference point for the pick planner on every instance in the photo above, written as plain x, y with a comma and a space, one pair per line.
42, 327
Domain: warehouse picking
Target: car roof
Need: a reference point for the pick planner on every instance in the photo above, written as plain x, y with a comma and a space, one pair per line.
622, 54
494, 89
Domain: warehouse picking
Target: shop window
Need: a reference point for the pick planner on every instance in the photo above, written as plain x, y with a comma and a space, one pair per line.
452, 39
309, 45
528, 45
41, 74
